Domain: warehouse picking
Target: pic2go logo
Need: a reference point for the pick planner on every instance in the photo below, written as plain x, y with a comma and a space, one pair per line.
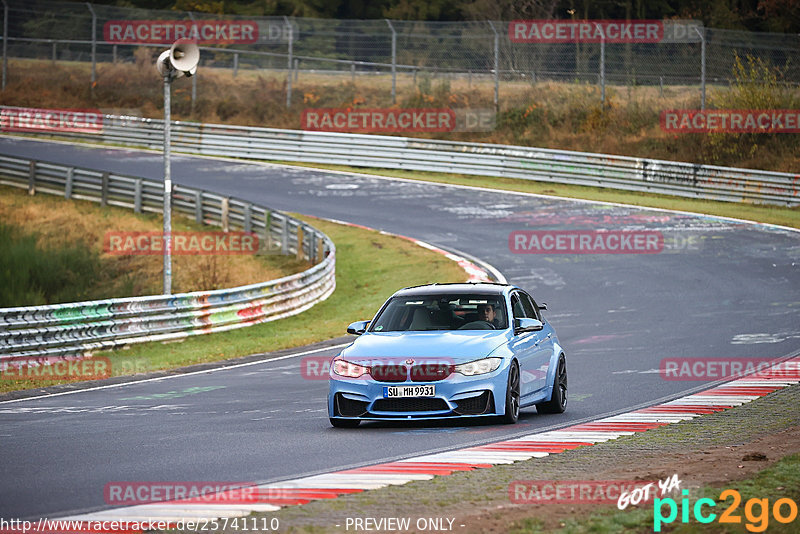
756, 511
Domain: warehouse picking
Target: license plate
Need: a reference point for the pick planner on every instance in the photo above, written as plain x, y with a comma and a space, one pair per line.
391, 392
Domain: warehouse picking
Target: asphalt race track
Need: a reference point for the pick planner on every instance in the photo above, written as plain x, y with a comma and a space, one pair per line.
719, 289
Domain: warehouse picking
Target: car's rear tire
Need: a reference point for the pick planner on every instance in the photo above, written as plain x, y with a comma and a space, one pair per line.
344, 423
512, 395
558, 400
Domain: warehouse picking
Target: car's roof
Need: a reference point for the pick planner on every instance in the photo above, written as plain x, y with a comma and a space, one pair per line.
484, 288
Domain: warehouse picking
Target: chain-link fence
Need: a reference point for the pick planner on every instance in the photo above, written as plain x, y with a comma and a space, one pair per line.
479, 52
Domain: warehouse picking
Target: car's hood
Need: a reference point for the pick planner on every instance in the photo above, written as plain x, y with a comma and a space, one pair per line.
459, 346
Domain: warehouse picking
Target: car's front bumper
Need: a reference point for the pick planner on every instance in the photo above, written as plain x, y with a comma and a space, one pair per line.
456, 396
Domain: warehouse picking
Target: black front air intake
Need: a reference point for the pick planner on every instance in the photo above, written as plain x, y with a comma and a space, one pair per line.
477, 405
410, 405
349, 407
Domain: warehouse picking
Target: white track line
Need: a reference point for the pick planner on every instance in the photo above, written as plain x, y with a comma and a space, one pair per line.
169, 377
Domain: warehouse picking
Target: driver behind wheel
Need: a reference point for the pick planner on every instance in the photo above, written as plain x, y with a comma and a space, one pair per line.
487, 313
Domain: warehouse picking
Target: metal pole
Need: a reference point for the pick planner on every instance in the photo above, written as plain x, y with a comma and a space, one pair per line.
702, 67
394, 62
602, 70
289, 64
235, 64
496, 66
194, 78
602, 65
94, 44
5, 43
167, 190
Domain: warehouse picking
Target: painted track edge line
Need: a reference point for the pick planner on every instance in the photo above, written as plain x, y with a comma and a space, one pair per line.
158, 378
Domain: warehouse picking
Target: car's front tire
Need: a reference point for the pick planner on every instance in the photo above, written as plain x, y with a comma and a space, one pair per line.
344, 423
558, 400
512, 395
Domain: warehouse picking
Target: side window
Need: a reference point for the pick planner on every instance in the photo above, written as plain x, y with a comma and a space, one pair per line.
531, 309
516, 307
527, 306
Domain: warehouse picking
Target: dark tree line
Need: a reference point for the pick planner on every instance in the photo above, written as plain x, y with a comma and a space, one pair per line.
753, 15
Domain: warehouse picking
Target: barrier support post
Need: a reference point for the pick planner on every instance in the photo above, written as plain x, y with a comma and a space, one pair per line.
198, 207
68, 184
32, 178
300, 242
223, 216
104, 190
137, 196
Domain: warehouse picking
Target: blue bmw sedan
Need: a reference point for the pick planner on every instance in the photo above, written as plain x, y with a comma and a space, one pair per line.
449, 350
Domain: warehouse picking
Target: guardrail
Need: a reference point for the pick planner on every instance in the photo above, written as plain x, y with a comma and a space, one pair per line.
64, 330
383, 151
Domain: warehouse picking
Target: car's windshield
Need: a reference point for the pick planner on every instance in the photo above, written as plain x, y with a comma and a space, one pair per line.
442, 312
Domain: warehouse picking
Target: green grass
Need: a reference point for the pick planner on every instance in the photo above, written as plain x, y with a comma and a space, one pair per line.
754, 212
34, 275
54, 252
369, 268
782, 480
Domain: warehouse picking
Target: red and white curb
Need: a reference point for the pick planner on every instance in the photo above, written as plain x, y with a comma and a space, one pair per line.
272, 497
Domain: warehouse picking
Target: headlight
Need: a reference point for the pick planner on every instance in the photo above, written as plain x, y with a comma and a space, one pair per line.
479, 367
348, 369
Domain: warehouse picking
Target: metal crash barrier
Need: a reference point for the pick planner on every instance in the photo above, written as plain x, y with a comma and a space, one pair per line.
72, 329
390, 152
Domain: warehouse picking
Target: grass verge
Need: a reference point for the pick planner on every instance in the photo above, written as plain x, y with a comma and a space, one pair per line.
59, 245
780, 481
709, 453
369, 267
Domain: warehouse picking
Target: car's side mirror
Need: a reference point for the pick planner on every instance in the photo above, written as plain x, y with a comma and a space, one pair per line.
543, 306
357, 328
527, 325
